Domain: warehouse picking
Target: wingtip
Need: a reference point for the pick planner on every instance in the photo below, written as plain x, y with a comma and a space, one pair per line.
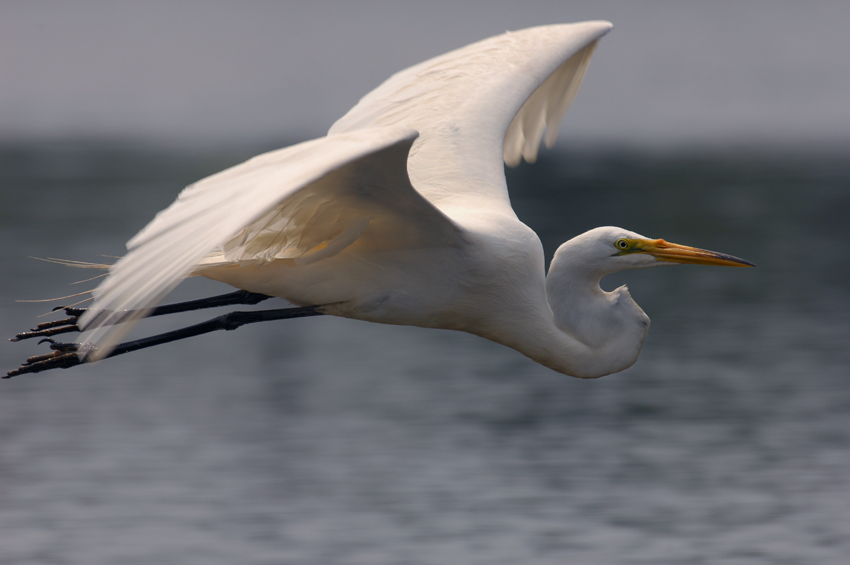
602, 26
590, 30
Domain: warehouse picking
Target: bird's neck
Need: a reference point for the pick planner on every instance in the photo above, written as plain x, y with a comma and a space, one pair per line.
589, 332
580, 331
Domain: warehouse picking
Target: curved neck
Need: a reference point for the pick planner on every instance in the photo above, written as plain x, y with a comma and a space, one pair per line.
610, 325
580, 330
574, 327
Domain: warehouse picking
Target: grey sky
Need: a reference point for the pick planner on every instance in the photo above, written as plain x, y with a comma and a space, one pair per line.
670, 71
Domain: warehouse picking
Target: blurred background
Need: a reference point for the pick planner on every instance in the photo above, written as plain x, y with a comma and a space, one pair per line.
722, 125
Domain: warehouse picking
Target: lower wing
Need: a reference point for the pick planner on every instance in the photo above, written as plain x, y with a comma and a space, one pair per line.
305, 202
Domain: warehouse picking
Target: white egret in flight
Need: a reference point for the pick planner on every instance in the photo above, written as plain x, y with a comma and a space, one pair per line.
401, 215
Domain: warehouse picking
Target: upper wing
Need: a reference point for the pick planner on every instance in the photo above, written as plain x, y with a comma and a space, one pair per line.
305, 202
472, 107
478, 105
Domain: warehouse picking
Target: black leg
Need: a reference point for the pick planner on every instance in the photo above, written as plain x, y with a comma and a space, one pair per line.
48, 329
229, 299
66, 355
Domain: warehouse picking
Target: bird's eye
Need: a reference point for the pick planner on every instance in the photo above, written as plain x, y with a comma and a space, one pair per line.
622, 244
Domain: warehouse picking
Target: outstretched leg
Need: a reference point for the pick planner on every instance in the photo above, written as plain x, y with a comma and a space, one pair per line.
67, 355
55, 327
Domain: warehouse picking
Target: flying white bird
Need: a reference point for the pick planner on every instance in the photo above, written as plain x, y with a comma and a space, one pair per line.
401, 215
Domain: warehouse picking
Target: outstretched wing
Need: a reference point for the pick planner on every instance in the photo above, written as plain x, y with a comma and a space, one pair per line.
478, 105
305, 202
472, 108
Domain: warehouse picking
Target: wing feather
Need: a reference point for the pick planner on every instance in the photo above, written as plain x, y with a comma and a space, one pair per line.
479, 105
473, 108
313, 199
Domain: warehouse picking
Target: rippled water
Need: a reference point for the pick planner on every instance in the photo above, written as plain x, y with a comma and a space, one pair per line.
331, 441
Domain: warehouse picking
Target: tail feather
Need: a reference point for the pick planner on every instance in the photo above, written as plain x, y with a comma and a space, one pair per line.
78, 265
214, 260
75, 264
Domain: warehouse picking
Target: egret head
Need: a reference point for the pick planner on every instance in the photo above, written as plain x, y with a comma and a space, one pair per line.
606, 250
610, 324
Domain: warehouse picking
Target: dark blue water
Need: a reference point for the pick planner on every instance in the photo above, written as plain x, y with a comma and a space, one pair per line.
332, 441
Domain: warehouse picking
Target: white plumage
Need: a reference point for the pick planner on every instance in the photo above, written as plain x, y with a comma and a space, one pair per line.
401, 215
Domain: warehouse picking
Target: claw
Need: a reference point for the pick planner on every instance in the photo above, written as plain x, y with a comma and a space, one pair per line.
45, 332
64, 355
64, 347
46, 329
55, 323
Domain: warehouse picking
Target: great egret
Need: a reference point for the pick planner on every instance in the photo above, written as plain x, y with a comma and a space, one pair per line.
401, 215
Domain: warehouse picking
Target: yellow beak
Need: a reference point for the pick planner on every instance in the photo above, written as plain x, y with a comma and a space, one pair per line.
674, 253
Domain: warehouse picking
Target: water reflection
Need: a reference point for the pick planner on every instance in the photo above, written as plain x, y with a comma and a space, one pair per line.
332, 441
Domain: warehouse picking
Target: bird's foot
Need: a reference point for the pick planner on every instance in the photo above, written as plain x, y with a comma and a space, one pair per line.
47, 329
64, 355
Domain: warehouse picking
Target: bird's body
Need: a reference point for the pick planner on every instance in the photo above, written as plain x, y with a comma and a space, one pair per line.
467, 287
458, 285
401, 215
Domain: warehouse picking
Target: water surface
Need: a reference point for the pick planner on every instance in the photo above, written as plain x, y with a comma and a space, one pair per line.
332, 441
